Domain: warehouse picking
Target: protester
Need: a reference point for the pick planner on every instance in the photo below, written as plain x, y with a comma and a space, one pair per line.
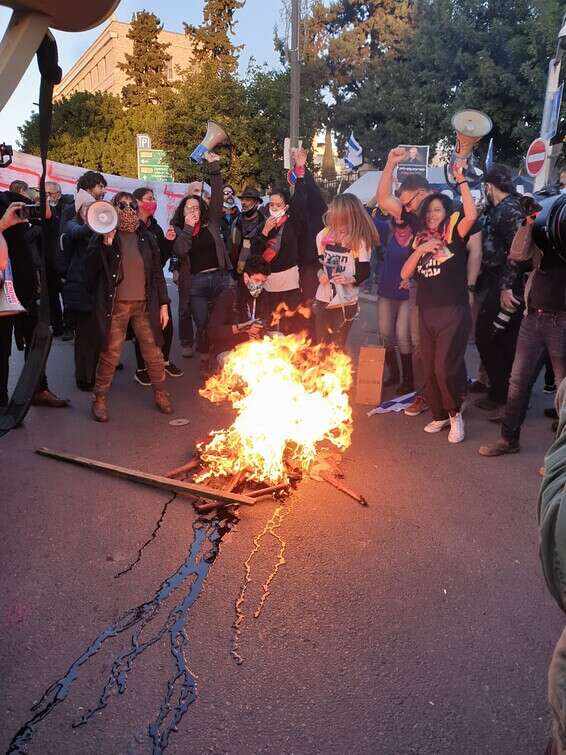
241, 312
146, 210
496, 344
344, 250
77, 293
21, 238
441, 267
21, 188
92, 182
393, 308
247, 225
54, 282
229, 216
200, 248
542, 332
279, 244
127, 277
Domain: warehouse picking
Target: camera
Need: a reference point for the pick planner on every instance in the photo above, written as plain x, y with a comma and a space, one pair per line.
30, 212
549, 227
6, 154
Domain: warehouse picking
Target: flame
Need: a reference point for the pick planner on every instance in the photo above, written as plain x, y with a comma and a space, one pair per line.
289, 396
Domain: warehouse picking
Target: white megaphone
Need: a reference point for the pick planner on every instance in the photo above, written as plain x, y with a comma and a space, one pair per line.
9, 302
470, 126
102, 217
214, 136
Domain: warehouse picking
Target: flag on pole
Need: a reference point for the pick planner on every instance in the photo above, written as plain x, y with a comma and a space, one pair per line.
354, 156
489, 156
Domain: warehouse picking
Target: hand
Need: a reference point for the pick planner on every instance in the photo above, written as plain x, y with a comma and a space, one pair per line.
405, 284
255, 330
270, 224
342, 280
108, 238
12, 216
211, 157
170, 235
163, 316
323, 279
459, 170
299, 155
433, 245
3, 254
507, 300
191, 217
397, 155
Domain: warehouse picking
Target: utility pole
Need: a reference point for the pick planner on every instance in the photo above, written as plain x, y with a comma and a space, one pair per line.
294, 59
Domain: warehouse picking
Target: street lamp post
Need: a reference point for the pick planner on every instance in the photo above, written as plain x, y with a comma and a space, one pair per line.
294, 57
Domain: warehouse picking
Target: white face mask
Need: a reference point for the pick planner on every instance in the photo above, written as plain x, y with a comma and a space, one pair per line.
276, 214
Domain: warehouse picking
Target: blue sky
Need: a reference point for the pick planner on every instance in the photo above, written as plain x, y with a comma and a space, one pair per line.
254, 30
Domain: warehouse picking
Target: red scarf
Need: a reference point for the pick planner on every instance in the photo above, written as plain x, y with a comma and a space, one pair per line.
274, 244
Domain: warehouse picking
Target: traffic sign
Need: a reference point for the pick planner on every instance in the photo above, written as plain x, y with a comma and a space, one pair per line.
143, 141
152, 165
536, 155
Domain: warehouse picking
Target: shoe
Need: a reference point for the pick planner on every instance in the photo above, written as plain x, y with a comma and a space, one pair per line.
500, 448
68, 335
437, 425
46, 398
418, 406
99, 408
172, 370
478, 387
86, 387
142, 377
187, 352
456, 434
162, 401
551, 413
392, 368
549, 389
487, 404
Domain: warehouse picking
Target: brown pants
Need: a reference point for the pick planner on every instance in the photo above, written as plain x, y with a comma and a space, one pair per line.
136, 313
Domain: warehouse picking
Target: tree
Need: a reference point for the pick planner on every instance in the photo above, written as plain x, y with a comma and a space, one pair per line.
211, 40
146, 67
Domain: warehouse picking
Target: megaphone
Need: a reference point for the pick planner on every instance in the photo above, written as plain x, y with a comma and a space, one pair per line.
470, 126
102, 217
9, 302
214, 136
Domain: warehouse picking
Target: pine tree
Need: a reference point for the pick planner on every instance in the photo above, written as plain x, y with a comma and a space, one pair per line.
211, 40
146, 67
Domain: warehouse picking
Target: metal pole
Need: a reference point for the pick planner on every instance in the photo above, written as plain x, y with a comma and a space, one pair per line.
294, 56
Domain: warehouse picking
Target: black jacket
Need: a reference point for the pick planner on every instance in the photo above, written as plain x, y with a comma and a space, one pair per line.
71, 265
23, 254
104, 266
234, 306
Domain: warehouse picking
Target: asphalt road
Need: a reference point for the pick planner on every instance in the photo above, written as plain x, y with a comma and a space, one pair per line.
418, 625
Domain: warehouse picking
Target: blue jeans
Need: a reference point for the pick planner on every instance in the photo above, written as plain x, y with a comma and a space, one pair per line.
539, 333
205, 290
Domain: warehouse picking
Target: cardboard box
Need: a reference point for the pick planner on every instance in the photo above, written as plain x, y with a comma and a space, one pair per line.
369, 384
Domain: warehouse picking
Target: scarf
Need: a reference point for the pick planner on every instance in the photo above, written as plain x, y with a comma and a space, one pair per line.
274, 243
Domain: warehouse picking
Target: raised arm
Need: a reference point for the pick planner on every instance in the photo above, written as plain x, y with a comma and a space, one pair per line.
216, 207
470, 210
384, 196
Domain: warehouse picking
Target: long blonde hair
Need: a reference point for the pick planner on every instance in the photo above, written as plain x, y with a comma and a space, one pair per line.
346, 211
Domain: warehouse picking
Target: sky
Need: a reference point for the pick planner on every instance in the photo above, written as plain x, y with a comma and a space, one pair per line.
254, 30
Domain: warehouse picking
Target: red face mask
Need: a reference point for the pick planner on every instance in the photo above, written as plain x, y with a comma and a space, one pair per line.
149, 206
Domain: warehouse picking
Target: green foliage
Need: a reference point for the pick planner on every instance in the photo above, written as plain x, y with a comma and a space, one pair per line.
212, 40
146, 67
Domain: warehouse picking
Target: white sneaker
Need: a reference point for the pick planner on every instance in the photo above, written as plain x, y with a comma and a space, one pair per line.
456, 434
436, 425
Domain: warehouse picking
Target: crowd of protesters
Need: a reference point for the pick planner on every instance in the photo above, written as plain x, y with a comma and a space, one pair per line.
449, 270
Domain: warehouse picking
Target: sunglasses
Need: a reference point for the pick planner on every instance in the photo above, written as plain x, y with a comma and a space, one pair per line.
123, 204
228, 193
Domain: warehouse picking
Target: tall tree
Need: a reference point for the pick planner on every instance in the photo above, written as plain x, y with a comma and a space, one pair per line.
212, 39
146, 67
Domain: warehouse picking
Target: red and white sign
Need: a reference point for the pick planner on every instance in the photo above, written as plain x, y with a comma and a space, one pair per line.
536, 156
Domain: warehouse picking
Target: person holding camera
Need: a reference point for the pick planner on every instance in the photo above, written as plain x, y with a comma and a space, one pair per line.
242, 312
20, 237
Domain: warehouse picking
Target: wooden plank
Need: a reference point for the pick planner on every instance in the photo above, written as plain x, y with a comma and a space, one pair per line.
156, 481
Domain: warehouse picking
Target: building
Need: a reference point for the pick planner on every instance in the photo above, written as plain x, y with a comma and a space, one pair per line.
97, 68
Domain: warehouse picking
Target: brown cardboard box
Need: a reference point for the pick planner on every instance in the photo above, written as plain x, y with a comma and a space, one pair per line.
369, 384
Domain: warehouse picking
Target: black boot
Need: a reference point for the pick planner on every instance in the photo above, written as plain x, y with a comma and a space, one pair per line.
392, 368
408, 385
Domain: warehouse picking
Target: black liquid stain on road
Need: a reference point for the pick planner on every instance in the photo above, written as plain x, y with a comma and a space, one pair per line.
181, 688
149, 540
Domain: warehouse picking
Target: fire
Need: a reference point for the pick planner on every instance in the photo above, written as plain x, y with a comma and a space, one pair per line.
289, 396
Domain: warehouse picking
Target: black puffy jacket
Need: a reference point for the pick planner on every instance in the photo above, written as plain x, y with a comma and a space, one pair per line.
71, 265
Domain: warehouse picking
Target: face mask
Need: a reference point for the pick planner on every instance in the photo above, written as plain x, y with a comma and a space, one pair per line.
149, 206
276, 214
255, 289
128, 220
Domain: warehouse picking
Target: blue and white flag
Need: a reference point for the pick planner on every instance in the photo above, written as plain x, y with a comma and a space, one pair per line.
395, 405
354, 156
489, 156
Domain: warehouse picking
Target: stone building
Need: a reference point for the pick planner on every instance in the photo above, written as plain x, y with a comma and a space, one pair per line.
97, 70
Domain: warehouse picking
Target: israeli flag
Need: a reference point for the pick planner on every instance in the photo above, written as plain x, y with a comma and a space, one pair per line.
489, 156
354, 156
397, 405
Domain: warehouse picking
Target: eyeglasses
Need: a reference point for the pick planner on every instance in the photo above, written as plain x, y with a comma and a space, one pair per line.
406, 205
122, 204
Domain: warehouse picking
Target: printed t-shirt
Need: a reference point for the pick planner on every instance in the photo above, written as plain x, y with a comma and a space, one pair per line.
338, 260
394, 257
442, 278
